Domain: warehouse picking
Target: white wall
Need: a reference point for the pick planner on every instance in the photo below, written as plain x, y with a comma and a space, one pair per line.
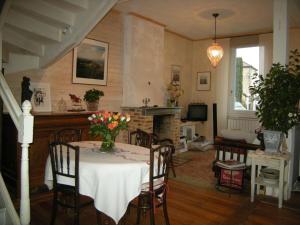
143, 62
178, 51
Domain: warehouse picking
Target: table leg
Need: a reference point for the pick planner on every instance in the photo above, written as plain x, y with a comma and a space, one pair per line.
253, 179
281, 180
257, 185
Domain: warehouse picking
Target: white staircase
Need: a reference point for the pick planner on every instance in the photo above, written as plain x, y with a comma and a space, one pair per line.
34, 34
38, 32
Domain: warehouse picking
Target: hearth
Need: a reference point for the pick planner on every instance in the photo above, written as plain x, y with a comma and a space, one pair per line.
164, 121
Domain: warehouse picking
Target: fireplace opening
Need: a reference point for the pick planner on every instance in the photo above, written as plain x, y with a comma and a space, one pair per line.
162, 126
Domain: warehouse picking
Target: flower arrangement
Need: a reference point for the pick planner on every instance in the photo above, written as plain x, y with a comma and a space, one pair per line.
175, 92
108, 125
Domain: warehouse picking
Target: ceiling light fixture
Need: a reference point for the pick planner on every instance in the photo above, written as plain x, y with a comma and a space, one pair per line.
215, 51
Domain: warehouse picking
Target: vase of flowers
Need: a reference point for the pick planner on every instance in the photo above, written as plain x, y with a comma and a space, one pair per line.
108, 125
175, 92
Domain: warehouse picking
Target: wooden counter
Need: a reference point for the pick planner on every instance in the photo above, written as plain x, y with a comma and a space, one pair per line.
45, 124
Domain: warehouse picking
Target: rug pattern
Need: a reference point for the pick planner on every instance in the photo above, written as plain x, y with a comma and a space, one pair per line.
195, 168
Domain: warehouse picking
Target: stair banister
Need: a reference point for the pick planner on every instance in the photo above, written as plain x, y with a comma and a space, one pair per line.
24, 124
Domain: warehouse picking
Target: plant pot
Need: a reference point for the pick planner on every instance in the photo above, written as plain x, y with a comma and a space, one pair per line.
92, 106
272, 140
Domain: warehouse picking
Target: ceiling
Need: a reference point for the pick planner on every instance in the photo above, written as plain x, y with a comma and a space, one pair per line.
193, 18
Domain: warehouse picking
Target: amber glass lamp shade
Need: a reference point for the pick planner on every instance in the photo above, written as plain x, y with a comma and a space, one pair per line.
215, 53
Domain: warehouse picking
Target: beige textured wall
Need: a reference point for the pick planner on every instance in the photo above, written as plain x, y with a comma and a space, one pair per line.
59, 75
220, 76
218, 92
143, 62
178, 51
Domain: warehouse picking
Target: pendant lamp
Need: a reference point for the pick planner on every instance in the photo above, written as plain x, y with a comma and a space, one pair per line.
215, 51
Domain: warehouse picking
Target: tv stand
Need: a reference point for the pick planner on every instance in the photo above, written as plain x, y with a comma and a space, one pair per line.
188, 129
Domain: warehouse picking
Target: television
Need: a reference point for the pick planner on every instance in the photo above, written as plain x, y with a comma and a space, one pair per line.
197, 112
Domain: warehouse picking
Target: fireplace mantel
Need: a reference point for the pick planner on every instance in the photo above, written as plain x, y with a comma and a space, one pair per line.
153, 111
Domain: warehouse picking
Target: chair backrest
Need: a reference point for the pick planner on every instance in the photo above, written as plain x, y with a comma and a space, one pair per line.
159, 165
229, 149
68, 135
64, 162
156, 140
140, 138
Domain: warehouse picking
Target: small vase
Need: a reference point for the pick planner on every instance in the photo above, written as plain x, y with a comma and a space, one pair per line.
108, 143
92, 106
272, 140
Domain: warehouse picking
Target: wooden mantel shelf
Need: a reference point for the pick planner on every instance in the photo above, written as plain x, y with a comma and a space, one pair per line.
153, 111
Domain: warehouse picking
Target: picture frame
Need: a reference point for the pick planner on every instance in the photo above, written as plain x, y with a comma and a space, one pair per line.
175, 74
203, 81
41, 97
90, 60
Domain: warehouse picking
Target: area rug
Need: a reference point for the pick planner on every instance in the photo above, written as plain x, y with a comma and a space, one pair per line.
194, 167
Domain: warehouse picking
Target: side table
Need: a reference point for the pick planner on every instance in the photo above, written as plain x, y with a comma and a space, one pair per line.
278, 161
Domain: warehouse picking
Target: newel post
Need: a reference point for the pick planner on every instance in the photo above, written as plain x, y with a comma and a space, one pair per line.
25, 136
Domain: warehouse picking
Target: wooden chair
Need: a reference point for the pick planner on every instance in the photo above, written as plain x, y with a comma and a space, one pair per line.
140, 138
154, 193
230, 163
65, 164
157, 141
68, 135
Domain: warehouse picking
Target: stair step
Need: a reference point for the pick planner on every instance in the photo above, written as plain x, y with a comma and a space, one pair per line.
3, 216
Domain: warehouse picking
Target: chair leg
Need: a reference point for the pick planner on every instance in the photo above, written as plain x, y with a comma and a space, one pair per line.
152, 218
54, 209
138, 218
172, 166
99, 217
166, 211
76, 217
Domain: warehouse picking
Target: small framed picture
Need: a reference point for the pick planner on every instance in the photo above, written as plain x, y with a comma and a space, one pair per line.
203, 81
90, 62
41, 98
175, 74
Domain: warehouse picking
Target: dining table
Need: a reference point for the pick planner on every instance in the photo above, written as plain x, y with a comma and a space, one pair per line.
112, 179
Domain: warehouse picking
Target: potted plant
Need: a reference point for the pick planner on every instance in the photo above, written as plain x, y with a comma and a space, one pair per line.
91, 97
278, 95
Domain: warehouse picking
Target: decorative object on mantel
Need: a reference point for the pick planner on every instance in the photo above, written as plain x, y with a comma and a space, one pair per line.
215, 51
92, 97
278, 95
146, 101
76, 104
108, 125
41, 100
26, 92
175, 92
61, 105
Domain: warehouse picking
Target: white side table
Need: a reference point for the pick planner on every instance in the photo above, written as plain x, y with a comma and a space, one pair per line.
277, 161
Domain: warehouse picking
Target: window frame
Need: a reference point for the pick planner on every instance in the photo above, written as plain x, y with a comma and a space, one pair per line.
232, 78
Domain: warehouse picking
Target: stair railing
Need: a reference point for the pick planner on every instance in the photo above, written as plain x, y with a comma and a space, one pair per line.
23, 121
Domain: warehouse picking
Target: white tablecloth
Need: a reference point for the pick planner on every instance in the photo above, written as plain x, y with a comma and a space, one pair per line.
111, 179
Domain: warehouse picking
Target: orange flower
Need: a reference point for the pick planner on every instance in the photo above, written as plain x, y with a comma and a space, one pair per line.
112, 125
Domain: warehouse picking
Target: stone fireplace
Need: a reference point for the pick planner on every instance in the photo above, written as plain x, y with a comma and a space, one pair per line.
164, 121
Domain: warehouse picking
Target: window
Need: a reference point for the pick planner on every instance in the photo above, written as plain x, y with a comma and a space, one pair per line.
245, 64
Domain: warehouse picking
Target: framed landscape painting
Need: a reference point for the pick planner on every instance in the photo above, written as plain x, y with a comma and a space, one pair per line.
203, 81
90, 62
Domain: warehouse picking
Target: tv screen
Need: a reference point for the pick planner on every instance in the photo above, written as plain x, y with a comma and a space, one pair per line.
197, 112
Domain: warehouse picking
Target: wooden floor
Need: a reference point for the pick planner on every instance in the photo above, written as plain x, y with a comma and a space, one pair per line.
192, 206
